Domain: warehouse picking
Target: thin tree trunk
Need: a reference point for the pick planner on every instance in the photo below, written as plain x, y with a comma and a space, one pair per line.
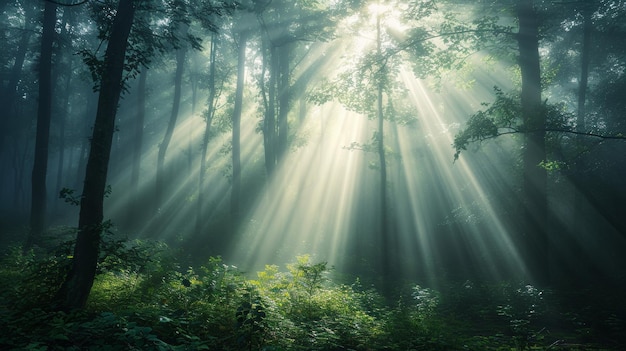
236, 149
138, 130
75, 290
384, 221
20, 155
582, 111
193, 78
8, 98
62, 125
44, 111
207, 133
269, 122
283, 101
135, 211
178, 78
65, 105
534, 152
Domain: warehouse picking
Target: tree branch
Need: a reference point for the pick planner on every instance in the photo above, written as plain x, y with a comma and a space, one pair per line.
618, 136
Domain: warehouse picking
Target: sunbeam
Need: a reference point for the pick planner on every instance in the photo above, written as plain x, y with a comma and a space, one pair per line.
309, 203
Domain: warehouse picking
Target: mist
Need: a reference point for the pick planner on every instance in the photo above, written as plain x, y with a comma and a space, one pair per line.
433, 143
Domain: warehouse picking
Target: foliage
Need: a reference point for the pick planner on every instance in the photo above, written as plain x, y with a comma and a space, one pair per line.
504, 112
503, 116
524, 305
143, 299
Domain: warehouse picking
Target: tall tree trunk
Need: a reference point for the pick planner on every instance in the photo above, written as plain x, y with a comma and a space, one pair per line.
81, 165
384, 221
178, 79
194, 78
66, 25
44, 111
207, 132
283, 100
582, 111
534, 152
75, 290
134, 212
138, 130
62, 124
8, 97
236, 149
269, 122
20, 155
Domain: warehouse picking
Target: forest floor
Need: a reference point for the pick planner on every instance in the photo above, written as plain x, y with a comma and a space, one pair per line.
142, 299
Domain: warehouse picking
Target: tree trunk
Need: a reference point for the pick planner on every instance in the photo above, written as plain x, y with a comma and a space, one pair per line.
8, 98
581, 115
62, 125
269, 122
534, 152
134, 212
75, 290
66, 26
384, 221
236, 153
283, 100
81, 165
44, 111
178, 78
138, 130
207, 133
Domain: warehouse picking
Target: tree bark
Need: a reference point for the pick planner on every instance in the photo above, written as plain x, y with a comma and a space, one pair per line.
75, 290
384, 220
269, 122
62, 126
582, 111
178, 78
283, 100
135, 211
8, 97
534, 152
65, 105
138, 130
207, 132
42, 138
236, 150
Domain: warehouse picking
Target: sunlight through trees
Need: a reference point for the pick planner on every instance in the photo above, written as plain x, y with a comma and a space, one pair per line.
452, 145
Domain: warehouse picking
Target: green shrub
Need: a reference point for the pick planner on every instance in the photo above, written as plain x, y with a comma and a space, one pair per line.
143, 300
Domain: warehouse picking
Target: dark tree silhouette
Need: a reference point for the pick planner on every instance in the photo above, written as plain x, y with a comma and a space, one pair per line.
75, 290
44, 112
534, 153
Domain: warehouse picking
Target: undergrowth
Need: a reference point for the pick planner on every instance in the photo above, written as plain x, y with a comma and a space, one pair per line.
143, 299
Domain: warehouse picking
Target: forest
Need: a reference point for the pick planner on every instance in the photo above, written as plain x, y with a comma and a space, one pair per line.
313, 175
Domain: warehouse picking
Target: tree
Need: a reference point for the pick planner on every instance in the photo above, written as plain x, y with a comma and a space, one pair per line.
370, 84
242, 36
9, 94
178, 78
533, 117
133, 211
379, 81
75, 290
215, 89
532, 114
44, 112
282, 27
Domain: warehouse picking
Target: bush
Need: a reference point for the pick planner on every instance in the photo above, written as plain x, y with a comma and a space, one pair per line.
143, 300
